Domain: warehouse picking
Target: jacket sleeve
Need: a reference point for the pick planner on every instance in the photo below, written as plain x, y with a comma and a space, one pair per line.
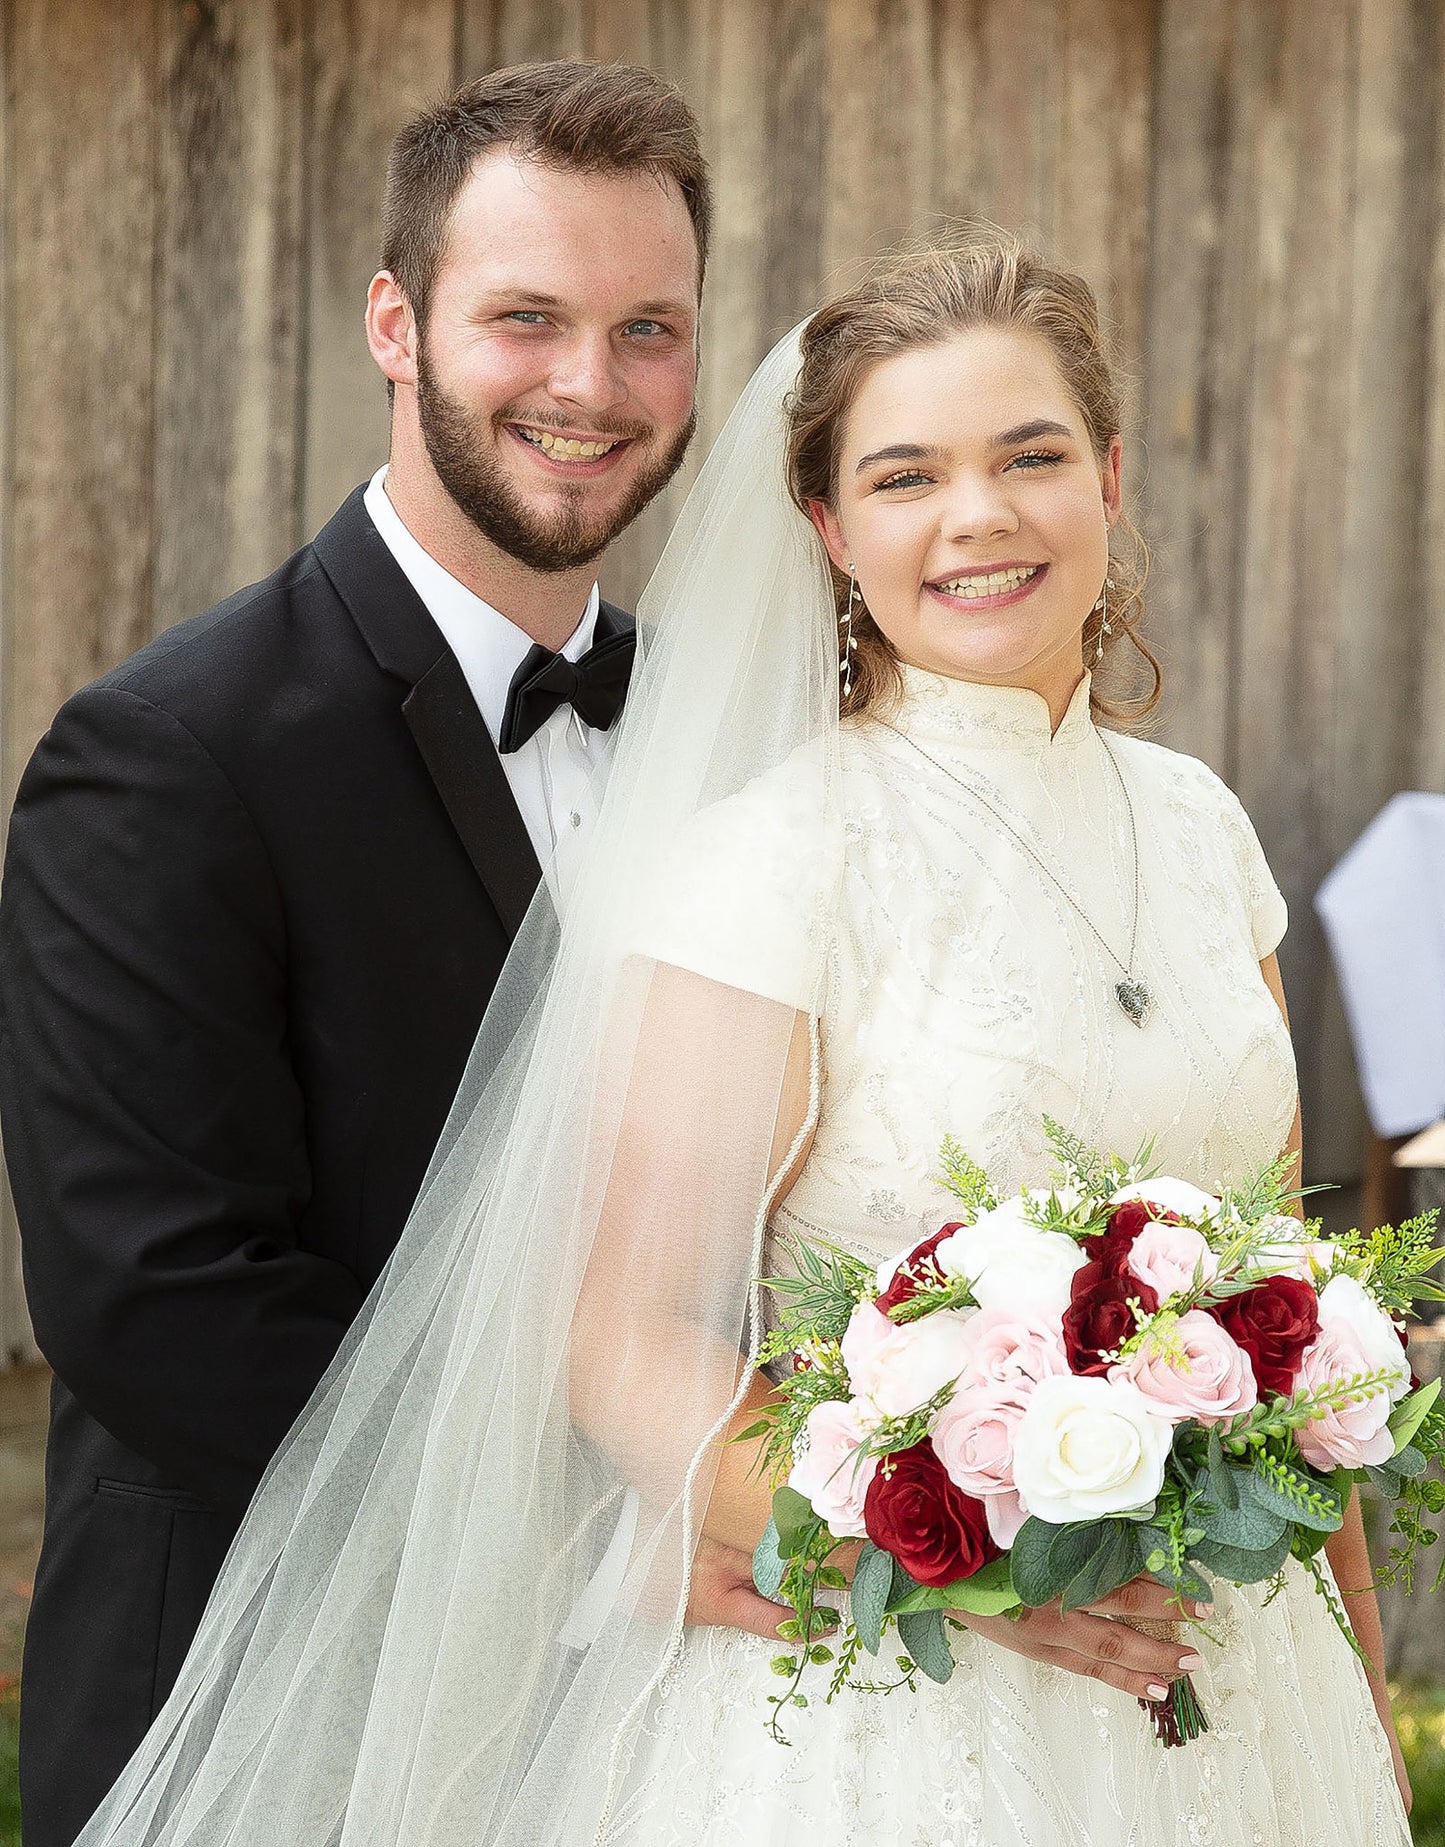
154, 1127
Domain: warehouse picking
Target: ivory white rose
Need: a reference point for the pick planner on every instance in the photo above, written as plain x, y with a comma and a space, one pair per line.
1010, 1263
1086, 1447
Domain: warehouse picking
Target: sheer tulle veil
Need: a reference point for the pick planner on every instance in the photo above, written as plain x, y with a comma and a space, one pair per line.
466, 1568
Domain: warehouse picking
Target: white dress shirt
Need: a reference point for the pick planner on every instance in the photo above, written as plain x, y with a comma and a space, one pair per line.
551, 775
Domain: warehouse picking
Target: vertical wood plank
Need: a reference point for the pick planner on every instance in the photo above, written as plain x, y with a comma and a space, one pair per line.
373, 65
1427, 716
229, 298
17, 1341
1214, 72
1290, 591
84, 241
879, 147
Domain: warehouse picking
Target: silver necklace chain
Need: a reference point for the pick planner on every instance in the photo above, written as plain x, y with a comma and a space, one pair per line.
1133, 995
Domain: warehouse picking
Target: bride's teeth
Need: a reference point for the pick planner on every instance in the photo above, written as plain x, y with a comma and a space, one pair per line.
991, 583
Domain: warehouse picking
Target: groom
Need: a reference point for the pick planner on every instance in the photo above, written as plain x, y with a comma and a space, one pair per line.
261, 878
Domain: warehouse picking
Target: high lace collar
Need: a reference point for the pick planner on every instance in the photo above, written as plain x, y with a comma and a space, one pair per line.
972, 716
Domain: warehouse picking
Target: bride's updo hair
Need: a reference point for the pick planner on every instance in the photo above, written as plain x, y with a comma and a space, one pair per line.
984, 277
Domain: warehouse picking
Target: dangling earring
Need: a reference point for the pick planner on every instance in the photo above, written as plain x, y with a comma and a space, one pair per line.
1101, 610
845, 665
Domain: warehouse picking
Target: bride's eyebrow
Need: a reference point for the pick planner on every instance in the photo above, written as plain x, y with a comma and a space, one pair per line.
1027, 432
896, 452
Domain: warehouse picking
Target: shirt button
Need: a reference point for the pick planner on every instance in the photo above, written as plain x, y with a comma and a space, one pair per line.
575, 818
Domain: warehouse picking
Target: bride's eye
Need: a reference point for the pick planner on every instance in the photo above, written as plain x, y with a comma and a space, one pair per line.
1037, 458
906, 477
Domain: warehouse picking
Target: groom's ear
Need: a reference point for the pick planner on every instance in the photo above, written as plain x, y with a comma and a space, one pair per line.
831, 533
391, 329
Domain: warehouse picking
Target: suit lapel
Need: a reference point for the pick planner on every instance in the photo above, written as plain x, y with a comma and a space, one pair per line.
438, 707
458, 751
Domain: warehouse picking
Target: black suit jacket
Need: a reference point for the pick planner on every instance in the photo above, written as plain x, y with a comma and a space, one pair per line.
260, 883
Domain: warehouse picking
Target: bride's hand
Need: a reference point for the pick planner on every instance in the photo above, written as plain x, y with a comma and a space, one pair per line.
1086, 1642
721, 1592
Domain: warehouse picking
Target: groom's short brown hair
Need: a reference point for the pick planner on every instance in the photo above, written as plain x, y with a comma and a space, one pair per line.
580, 116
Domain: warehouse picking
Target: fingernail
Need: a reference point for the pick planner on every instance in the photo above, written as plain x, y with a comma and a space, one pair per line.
1204, 1609
1157, 1690
1190, 1662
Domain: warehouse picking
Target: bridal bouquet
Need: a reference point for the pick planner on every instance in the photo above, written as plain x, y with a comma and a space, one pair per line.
1065, 1388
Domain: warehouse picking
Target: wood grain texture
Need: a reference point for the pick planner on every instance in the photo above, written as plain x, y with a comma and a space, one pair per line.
84, 239
17, 1338
1292, 526
1427, 716
229, 295
373, 64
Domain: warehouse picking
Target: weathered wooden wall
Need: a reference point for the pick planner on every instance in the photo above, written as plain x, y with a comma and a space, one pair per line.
189, 195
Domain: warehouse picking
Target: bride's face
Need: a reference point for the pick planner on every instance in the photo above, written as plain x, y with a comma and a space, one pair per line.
975, 511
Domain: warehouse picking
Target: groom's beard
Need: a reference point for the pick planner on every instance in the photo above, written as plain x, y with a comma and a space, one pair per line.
459, 442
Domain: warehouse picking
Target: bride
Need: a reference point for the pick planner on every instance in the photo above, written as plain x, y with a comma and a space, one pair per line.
870, 869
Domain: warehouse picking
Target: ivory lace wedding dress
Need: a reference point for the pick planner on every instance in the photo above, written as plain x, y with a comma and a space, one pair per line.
966, 994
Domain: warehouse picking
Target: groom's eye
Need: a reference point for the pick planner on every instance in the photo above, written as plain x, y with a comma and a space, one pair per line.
648, 329
527, 317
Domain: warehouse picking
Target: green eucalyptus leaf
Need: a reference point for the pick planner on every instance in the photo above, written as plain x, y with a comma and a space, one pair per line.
1411, 1412
1114, 1560
1305, 1501
1045, 1558
1239, 1565
1246, 1525
872, 1582
794, 1519
768, 1562
1409, 1460
989, 1592
922, 1633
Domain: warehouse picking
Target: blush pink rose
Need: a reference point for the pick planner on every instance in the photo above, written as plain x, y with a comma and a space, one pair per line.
1166, 1257
867, 1329
1357, 1433
973, 1437
1194, 1370
828, 1472
897, 1375
1012, 1351
1005, 1514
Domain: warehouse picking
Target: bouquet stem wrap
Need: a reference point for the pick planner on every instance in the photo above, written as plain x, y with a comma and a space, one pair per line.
1179, 1718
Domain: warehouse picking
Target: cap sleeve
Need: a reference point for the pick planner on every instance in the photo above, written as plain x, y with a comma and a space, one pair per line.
1267, 910
743, 894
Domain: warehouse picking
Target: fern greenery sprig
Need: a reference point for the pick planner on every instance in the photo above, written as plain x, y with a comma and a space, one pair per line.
965, 1179
1278, 1418
1098, 1174
1393, 1261
823, 1288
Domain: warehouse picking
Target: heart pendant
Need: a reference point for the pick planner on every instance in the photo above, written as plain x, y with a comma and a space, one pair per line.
1136, 1000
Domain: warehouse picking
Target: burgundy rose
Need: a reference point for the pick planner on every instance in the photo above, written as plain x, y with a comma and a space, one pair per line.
1274, 1323
904, 1285
1404, 1334
936, 1532
1099, 1319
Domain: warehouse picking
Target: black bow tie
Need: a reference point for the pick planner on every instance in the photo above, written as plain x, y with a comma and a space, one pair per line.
594, 687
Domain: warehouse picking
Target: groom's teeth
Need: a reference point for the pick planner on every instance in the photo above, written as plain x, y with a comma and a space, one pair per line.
564, 445
990, 583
